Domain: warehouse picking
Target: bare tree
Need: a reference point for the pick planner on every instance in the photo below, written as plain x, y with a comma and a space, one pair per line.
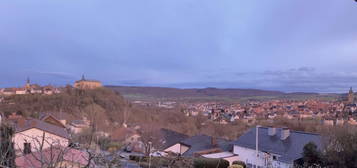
49, 153
151, 138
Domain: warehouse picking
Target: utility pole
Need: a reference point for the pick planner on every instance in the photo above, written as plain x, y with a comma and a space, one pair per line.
150, 143
257, 144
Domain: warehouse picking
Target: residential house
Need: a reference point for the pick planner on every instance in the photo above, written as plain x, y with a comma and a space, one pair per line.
276, 147
340, 121
35, 89
48, 90
171, 141
129, 137
352, 121
9, 91
32, 134
204, 146
125, 135
78, 126
20, 91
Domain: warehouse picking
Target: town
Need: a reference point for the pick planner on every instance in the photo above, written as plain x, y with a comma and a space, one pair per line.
178, 84
333, 112
36, 136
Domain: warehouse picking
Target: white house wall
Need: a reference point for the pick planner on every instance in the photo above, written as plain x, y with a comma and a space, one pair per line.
249, 157
184, 149
175, 148
35, 136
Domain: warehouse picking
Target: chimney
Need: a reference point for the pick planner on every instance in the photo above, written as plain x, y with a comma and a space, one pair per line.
271, 131
214, 142
21, 122
33, 123
285, 133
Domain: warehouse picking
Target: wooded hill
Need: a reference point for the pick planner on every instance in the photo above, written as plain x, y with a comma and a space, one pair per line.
108, 109
103, 104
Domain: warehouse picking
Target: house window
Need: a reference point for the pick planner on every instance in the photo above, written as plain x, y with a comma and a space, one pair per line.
27, 148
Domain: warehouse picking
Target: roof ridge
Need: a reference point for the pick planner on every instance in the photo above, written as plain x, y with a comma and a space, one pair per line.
303, 132
300, 132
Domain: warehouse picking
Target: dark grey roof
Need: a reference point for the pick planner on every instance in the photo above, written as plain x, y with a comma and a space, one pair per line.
9, 90
35, 123
78, 122
289, 149
171, 137
203, 142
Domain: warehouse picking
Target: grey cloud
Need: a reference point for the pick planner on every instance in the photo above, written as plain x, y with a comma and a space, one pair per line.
302, 79
61, 75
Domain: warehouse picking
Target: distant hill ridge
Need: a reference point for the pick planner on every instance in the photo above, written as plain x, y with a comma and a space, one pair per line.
162, 92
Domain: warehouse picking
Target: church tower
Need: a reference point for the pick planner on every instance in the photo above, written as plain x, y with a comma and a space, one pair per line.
28, 85
350, 96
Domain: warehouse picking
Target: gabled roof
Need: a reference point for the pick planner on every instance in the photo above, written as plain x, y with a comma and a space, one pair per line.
171, 137
9, 90
201, 143
41, 125
289, 149
79, 123
49, 118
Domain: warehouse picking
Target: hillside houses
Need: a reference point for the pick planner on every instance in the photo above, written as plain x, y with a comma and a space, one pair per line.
29, 88
77, 126
340, 111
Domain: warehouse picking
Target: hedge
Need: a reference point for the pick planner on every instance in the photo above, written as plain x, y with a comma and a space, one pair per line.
210, 163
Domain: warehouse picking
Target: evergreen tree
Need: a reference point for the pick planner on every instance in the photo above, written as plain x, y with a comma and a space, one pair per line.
7, 152
312, 157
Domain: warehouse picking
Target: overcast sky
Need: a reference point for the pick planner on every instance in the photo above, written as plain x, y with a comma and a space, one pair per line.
287, 45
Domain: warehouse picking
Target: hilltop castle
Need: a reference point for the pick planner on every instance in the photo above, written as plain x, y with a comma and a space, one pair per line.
87, 84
